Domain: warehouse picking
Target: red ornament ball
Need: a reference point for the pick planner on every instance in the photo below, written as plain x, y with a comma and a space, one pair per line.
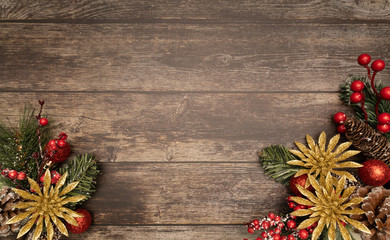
300, 180
291, 224
357, 86
384, 118
55, 154
61, 143
303, 234
378, 65
364, 59
251, 230
21, 176
341, 129
356, 97
43, 121
385, 93
84, 222
12, 174
339, 117
383, 128
374, 172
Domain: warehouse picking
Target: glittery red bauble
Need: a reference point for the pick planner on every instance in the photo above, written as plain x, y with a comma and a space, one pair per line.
301, 180
356, 97
383, 128
364, 59
60, 153
384, 118
374, 173
339, 118
84, 222
357, 86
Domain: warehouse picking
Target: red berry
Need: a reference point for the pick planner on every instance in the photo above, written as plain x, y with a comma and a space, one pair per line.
259, 238
277, 218
378, 65
276, 237
293, 217
311, 230
364, 59
53, 147
42, 178
61, 143
251, 230
271, 215
299, 207
278, 230
12, 174
356, 97
264, 234
343, 223
385, 93
289, 198
383, 128
303, 234
339, 118
281, 225
21, 176
256, 222
341, 129
62, 136
43, 121
357, 86
4, 172
291, 237
384, 118
265, 225
257, 227
52, 143
271, 232
291, 224
283, 238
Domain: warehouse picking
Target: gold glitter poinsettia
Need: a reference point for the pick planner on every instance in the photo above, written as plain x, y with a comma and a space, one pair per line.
46, 207
330, 207
317, 160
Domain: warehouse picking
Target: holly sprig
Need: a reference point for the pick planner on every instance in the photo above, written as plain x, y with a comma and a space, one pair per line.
274, 161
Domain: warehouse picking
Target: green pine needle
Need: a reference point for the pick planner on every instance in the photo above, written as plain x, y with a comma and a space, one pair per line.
82, 168
369, 94
274, 161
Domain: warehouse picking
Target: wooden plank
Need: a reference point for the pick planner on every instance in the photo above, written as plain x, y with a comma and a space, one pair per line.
184, 193
181, 127
185, 57
226, 232
245, 10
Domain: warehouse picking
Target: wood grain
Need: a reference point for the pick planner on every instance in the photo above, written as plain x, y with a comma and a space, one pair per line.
185, 57
184, 193
230, 232
209, 11
181, 127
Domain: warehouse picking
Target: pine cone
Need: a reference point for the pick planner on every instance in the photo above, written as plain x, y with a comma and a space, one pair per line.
8, 199
57, 235
376, 203
370, 142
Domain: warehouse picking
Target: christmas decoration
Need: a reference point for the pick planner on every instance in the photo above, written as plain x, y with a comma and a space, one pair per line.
317, 160
376, 205
350, 200
83, 222
374, 172
330, 207
44, 193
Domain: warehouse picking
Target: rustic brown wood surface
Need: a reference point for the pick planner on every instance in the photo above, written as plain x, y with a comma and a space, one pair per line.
176, 97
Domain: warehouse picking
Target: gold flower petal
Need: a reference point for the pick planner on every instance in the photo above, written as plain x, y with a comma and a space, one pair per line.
318, 230
68, 188
59, 225
322, 141
355, 211
301, 212
308, 194
358, 225
298, 154
34, 185
346, 174
70, 220
18, 218
27, 226
308, 222
38, 228
23, 205
49, 227
46, 182
310, 142
349, 164
342, 147
71, 212
332, 231
344, 232
303, 148
25, 194
73, 199
332, 143
346, 155
296, 162
301, 172
61, 181
302, 201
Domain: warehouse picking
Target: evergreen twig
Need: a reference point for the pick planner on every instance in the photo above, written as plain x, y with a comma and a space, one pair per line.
274, 161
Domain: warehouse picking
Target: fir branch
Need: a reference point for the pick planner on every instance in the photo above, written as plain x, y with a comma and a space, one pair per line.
274, 161
82, 168
370, 97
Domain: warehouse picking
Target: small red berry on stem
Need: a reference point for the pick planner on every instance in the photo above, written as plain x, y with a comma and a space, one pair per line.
12, 174
303, 234
378, 65
271, 216
357, 86
385, 93
61, 143
356, 97
341, 128
339, 117
251, 230
364, 59
21, 176
383, 128
4, 172
291, 224
43, 121
384, 118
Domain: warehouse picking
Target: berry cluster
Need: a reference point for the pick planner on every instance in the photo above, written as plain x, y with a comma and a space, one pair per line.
13, 174
340, 118
55, 176
54, 144
274, 227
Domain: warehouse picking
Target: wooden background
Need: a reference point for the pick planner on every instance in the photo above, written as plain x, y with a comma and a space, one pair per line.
175, 97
